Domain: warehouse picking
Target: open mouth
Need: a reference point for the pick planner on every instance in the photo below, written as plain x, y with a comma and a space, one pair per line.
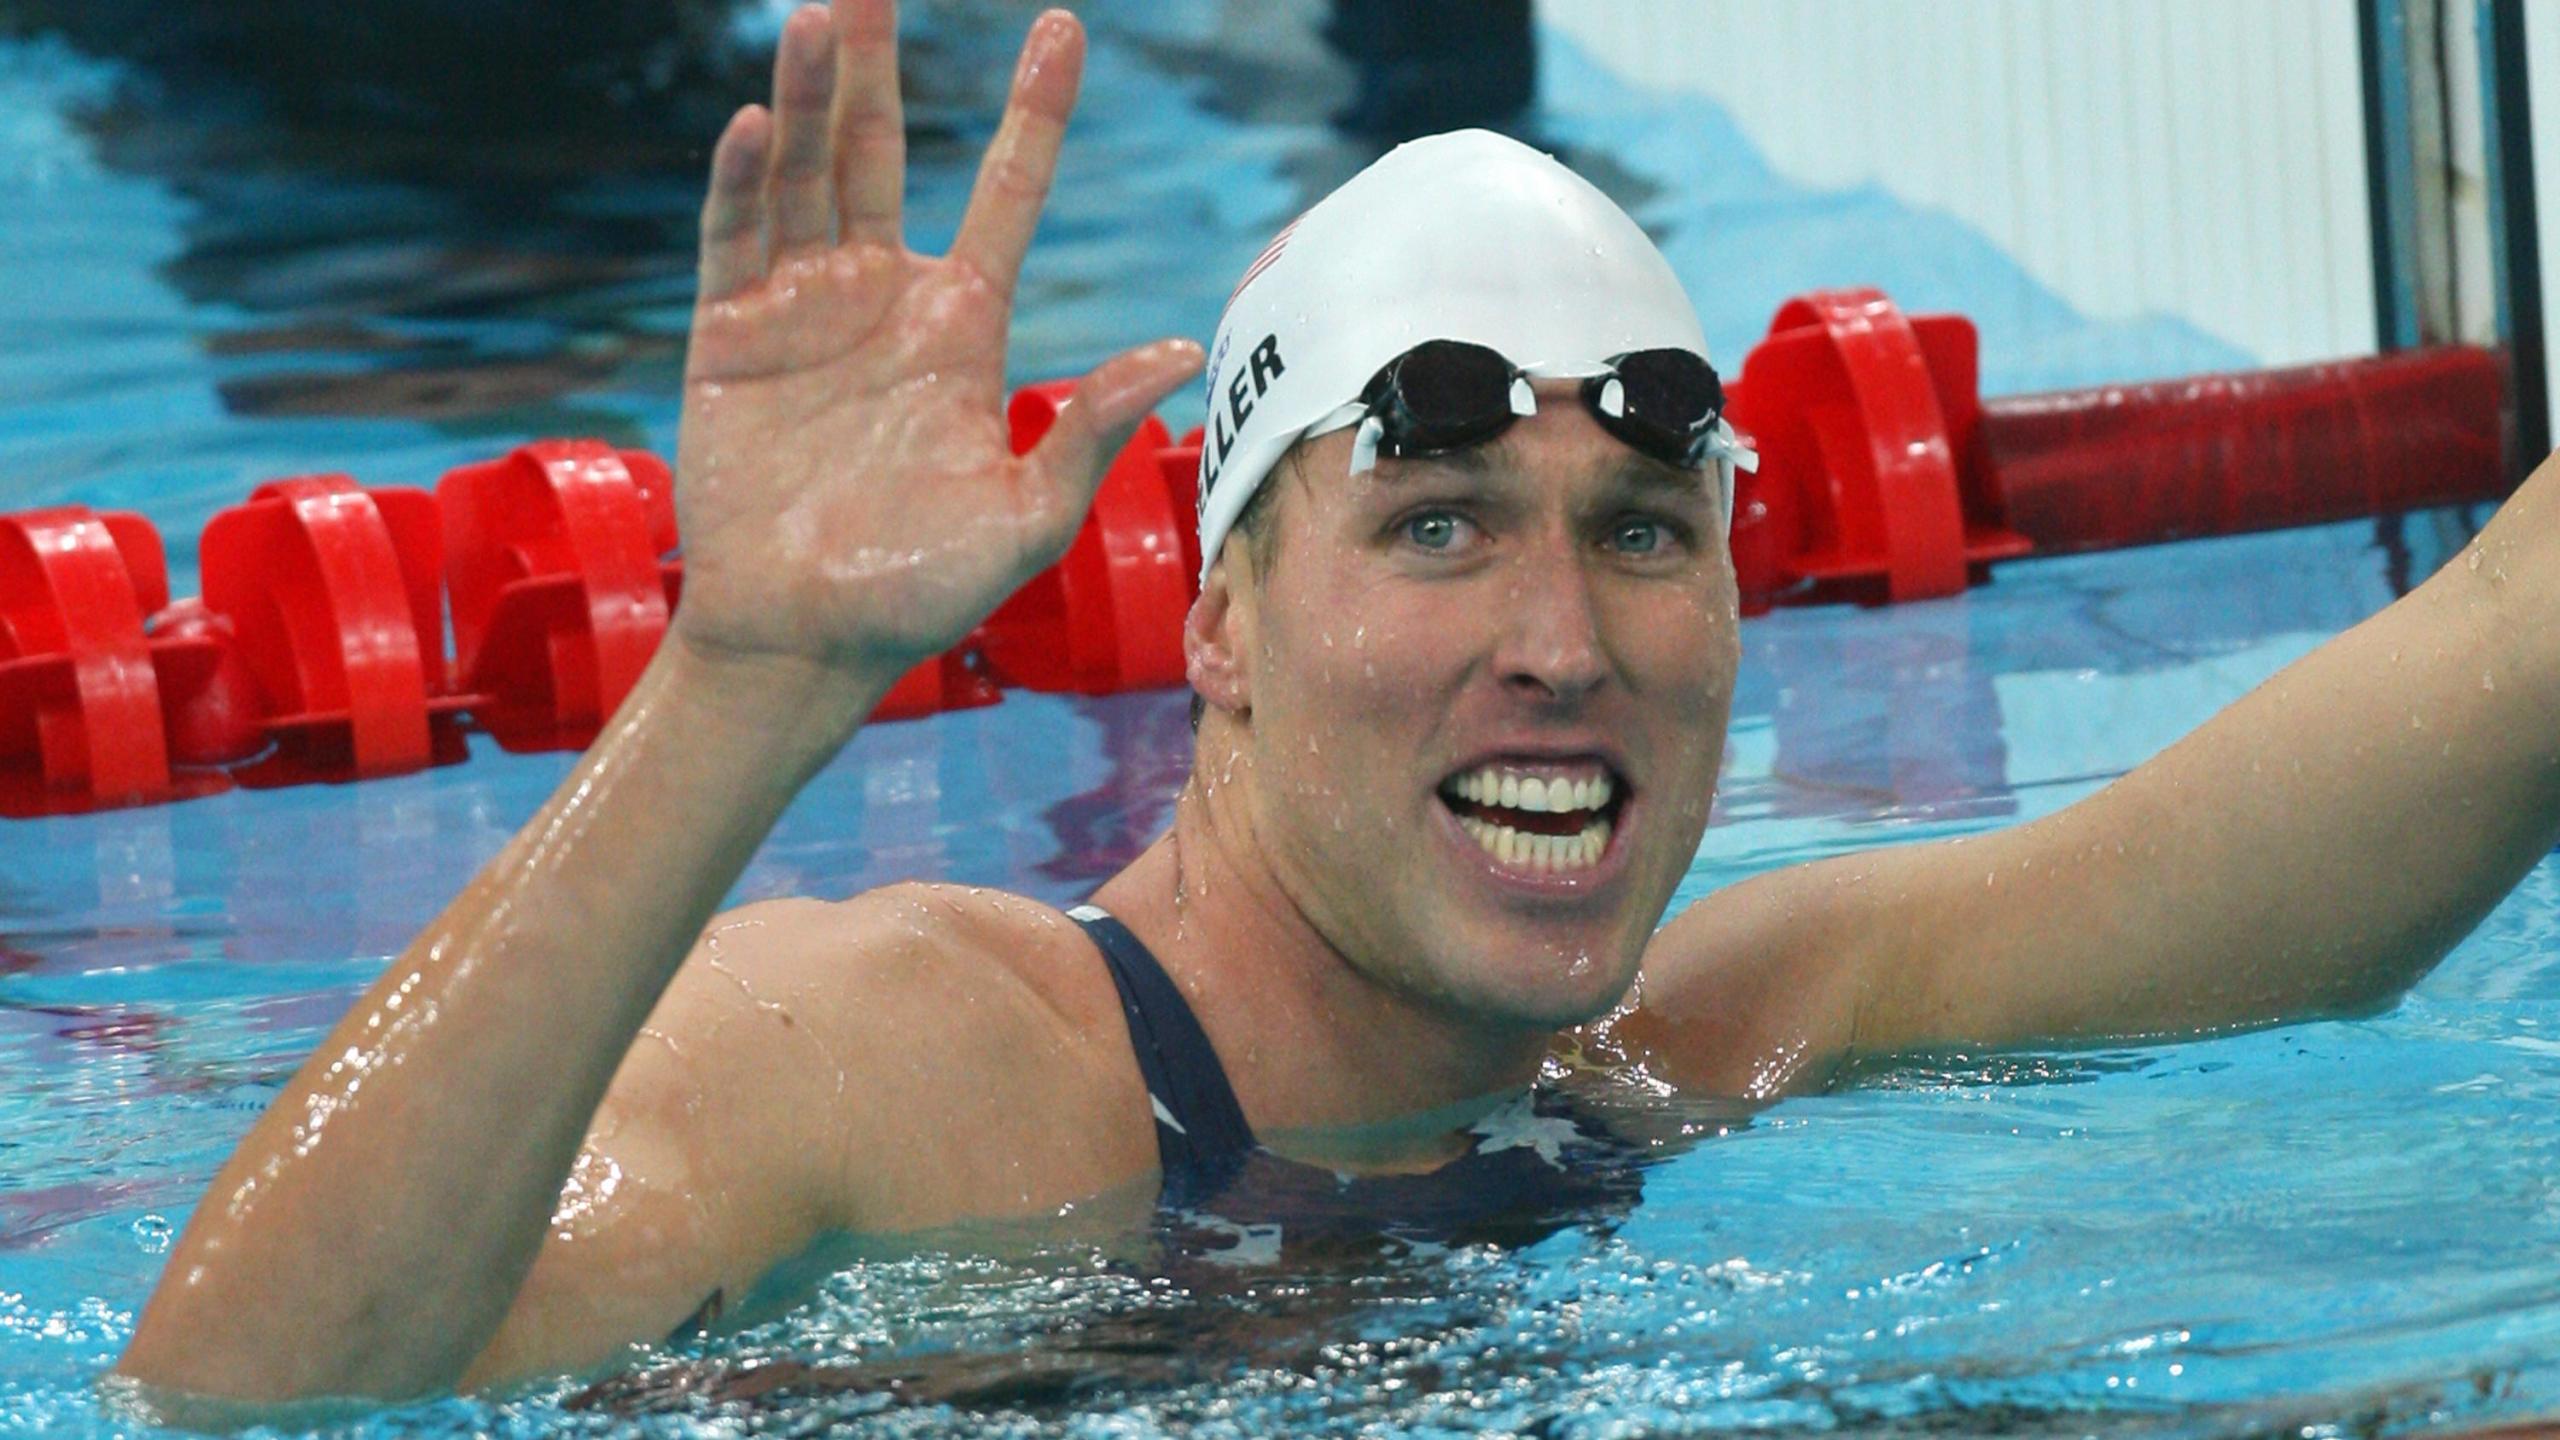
1549, 817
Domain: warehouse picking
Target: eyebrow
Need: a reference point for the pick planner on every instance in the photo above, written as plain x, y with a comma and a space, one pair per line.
1643, 472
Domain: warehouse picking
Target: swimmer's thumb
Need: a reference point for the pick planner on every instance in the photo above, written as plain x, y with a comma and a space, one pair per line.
1102, 413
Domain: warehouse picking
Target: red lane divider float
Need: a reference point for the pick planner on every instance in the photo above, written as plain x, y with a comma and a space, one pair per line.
553, 563
331, 596
317, 650
79, 686
1861, 415
1108, 616
1885, 477
2123, 465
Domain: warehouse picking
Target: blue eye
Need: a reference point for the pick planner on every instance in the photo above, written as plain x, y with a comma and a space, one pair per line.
1639, 537
1432, 529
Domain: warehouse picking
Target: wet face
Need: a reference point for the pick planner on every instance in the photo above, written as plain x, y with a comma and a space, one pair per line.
1483, 705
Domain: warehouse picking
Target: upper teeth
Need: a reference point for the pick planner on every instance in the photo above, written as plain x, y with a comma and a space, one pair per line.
1555, 794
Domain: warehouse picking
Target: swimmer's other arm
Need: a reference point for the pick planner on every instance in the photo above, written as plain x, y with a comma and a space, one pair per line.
2311, 851
850, 504
369, 1233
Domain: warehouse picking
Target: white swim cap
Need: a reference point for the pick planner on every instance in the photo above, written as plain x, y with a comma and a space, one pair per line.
1464, 236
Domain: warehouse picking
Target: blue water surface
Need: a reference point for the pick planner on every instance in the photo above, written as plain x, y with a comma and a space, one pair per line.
2333, 1228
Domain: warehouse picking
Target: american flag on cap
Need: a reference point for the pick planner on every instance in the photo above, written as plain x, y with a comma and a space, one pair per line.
1263, 261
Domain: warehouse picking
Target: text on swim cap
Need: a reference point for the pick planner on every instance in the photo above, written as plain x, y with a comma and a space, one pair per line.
1243, 388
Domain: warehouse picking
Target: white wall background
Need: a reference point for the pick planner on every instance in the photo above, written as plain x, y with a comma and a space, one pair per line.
2201, 158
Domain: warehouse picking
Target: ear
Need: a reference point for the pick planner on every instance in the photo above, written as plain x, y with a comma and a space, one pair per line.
1217, 636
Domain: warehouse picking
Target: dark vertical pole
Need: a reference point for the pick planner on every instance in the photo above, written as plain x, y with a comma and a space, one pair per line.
2390, 161
1428, 65
2507, 128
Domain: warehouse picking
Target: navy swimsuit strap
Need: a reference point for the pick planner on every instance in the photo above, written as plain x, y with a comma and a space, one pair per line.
1201, 1135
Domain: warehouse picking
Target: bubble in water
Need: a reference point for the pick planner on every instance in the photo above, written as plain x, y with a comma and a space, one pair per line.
152, 1233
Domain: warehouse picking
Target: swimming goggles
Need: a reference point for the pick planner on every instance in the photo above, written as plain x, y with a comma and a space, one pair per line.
1445, 395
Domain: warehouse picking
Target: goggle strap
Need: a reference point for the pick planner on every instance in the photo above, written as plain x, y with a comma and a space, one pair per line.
1725, 445
1364, 445
1613, 397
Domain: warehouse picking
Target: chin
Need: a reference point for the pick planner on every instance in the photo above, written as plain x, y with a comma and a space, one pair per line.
1519, 981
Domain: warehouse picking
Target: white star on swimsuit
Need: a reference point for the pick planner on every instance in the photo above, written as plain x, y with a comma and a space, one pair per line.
1518, 1125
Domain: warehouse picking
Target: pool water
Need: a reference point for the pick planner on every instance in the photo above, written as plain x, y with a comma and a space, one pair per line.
2330, 1228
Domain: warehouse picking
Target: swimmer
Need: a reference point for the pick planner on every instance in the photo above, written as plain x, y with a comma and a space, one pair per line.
1464, 656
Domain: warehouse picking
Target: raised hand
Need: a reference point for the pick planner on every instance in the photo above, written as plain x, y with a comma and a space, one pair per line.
844, 481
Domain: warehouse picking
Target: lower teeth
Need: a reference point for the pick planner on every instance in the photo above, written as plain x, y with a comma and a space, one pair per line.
1526, 850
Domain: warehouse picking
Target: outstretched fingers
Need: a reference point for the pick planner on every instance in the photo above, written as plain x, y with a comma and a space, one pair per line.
1013, 180
1099, 416
870, 123
733, 211
800, 188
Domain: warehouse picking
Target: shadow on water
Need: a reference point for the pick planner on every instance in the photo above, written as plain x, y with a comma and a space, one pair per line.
1420, 1340
1293, 1272
471, 213
1147, 745
1169, 1336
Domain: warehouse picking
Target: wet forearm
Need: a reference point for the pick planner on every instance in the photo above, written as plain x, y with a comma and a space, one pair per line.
2317, 846
370, 1232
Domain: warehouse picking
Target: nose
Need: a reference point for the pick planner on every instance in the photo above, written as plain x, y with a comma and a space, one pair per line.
1551, 651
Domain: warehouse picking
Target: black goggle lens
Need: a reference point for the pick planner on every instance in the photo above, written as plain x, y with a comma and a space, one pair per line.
1441, 395
1669, 400
1444, 395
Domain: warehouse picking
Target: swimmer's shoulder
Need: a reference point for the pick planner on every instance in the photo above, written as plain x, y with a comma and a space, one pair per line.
968, 935
984, 1041
1752, 992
